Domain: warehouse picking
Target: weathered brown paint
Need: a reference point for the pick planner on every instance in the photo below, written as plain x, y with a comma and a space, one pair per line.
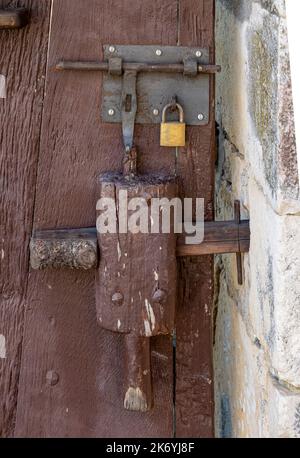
61, 333
136, 283
20, 123
194, 371
137, 265
138, 395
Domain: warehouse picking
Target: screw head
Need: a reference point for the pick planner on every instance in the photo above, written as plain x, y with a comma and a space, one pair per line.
111, 49
155, 112
158, 52
52, 378
200, 116
111, 112
117, 299
198, 53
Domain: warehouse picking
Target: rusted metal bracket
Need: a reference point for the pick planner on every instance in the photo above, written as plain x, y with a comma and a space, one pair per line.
161, 72
14, 18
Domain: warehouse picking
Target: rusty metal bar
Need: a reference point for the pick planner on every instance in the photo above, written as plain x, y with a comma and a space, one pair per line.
13, 18
138, 67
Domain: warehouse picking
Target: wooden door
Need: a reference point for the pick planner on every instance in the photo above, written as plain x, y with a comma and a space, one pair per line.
62, 375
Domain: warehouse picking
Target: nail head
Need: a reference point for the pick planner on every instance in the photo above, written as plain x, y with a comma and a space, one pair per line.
117, 299
159, 296
52, 378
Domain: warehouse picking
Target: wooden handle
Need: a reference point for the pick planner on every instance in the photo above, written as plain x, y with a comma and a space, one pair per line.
138, 383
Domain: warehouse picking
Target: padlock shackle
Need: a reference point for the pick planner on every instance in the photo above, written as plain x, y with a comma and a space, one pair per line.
168, 107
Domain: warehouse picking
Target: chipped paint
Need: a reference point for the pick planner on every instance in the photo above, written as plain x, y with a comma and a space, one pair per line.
156, 276
135, 400
119, 251
119, 324
2, 347
2, 87
148, 332
150, 313
156, 354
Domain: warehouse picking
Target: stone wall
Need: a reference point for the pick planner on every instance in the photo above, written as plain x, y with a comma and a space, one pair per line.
257, 326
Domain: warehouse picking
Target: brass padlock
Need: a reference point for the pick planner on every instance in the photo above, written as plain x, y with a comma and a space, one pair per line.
172, 134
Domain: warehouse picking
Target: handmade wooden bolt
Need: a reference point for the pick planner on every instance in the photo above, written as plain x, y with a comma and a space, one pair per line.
136, 279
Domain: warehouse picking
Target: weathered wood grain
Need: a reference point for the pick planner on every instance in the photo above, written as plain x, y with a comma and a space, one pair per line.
136, 283
23, 63
194, 373
137, 374
62, 333
138, 266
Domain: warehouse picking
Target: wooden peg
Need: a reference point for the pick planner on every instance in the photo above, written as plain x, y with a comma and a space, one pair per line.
138, 383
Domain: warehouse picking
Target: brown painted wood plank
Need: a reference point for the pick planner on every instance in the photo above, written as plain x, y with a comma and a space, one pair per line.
194, 372
23, 63
85, 396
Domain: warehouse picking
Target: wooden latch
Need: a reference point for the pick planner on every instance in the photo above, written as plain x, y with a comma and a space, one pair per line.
136, 274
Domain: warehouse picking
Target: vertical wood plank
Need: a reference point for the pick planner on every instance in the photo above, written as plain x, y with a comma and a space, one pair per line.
72, 373
23, 63
194, 372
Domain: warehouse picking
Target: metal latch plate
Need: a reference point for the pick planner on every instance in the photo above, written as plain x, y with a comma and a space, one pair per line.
155, 90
